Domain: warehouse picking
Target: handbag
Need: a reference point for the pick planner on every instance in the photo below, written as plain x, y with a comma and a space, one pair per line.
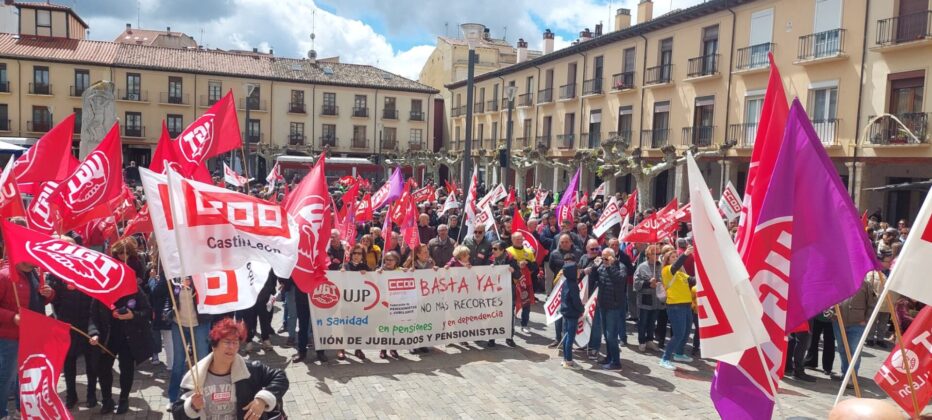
661, 292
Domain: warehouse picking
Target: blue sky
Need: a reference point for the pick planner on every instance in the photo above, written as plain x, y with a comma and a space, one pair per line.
397, 35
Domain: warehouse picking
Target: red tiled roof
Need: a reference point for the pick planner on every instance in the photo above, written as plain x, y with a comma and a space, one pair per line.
58, 49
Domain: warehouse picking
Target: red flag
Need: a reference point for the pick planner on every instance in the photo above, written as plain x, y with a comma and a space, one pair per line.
450, 187
364, 211
519, 226
349, 200
96, 274
124, 206
41, 215
864, 219
166, 154
214, 132
142, 223
311, 206
655, 227
84, 195
409, 227
630, 205
511, 197
892, 374
387, 229
684, 214
50, 159
583, 202
422, 194
41, 358
11, 201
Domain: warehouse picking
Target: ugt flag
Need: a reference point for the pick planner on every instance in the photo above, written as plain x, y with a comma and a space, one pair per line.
216, 131
97, 275
50, 159
892, 374
167, 155
41, 357
202, 228
11, 202
312, 209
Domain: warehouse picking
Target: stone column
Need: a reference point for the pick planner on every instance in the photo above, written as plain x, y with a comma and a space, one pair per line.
98, 116
556, 178
680, 184
855, 173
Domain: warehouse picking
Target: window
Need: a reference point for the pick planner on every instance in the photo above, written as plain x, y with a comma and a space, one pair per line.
133, 87
826, 34
661, 125
389, 102
40, 80
760, 37
174, 90
625, 123
495, 133
823, 101
906, 95
480, 133
389, 138
41, 119
175, 124
526, 134
390, 112
296, 133
43, 21
417, 112
416, 139
359, 106
548, 79
296, 103
666, 59
253, 100
709, 49
595, 129
214, 91
329, 106
628, 60
4, 117
253, 130
753, 105
4, 79
703, 120
133, 124
328, 135
82, 79
359, 136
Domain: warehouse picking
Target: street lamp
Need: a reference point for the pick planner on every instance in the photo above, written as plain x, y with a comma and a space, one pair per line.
472, 32
249, 89
510, 92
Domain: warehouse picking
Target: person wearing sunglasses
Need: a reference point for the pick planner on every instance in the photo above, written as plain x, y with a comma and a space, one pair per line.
480, 248
610, 277
646, 278
389, 263
588, 263
499, 256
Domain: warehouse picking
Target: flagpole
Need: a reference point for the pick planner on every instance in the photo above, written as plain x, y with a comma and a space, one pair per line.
860, 346
763, 361
904, 360
99, 344
844, 341
246, 167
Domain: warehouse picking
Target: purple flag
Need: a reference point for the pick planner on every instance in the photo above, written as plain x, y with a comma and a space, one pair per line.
390, 191
565, 207
830, 252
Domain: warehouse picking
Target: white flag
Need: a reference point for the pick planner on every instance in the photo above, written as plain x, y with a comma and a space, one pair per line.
493, 196
207, 228
221, 292
610, 217
729, 310
275, 175
449, 204
730, 203
231, 177
485, 217
600, 190
910, 276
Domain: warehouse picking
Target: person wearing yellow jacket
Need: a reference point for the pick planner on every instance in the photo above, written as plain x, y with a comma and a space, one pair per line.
679, 307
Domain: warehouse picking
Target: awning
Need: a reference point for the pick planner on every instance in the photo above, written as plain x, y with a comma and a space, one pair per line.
19, 141
922, 186
10, 148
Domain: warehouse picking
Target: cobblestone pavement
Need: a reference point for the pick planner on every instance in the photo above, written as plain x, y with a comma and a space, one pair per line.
475, 382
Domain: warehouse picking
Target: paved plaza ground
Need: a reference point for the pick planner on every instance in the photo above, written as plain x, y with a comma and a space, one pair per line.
475, 382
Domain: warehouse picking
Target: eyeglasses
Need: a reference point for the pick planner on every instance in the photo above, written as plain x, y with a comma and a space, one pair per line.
496, 248
479, 233
593, 249
357, 253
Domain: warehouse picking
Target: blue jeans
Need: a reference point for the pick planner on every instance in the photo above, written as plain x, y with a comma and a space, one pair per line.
569, 337
614, 320
9, 350
595, 334
179, 364
647, 323
854, 333
291, 317
558, 328
681, 318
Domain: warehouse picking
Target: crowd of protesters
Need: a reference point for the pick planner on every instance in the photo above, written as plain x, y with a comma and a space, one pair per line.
646, 291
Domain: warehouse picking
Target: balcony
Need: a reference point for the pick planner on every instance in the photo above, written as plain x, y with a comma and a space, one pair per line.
827, 130
360, 143
360, 112
702, 66
753, 58
565, 141
389, 114
38, 126
295, 139
207, 101
132, 95
76, 91
886, 132
590, 141
491, 144
40, 89
904, 29
742, 134
545, 96
174, 99
543, 140
592, 87
658, 75
457, 111
417, 116
492, 105
172, 132
526, 99
821, 46
5, 86
134, 131
296, 108
623, 81
253, 137
389, 144
624, 137
655, 139
699, 136
5, 125
478, 107
415, 145
254, 104
520, 142
329, 110
328, 141
568, 91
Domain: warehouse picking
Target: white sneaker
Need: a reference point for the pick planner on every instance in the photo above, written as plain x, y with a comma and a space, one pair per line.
525, 330
571, 365
642, 347
667, 365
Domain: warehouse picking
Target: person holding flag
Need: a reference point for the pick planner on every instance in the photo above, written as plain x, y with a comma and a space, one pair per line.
676, 283
500, 256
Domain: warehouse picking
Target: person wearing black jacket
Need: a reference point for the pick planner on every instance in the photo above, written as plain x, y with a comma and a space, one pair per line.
571, 307
611, 279
74, 307
555, 262
228, 386
126, 332
500, 257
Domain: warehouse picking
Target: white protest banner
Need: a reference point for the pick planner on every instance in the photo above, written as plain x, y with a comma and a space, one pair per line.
610, 217
552, 305
493, 196
730, 202
403, 310
231, 177
221, 292
600, 191
584, 325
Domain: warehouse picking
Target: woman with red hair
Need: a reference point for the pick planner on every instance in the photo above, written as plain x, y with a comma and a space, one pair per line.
228, 386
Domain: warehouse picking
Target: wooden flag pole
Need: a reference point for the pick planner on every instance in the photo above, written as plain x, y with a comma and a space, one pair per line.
184, 341
844, 340
99, 344
904, 360
242, 150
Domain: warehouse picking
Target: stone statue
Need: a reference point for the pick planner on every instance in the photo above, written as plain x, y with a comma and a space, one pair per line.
97, 116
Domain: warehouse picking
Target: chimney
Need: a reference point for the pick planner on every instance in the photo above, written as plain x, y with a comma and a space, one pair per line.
486, 35
255, 50
622, 19
168, 30
129, 28
271, 51
548, 41
645, 11
585, 35
522, 50
598, 30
